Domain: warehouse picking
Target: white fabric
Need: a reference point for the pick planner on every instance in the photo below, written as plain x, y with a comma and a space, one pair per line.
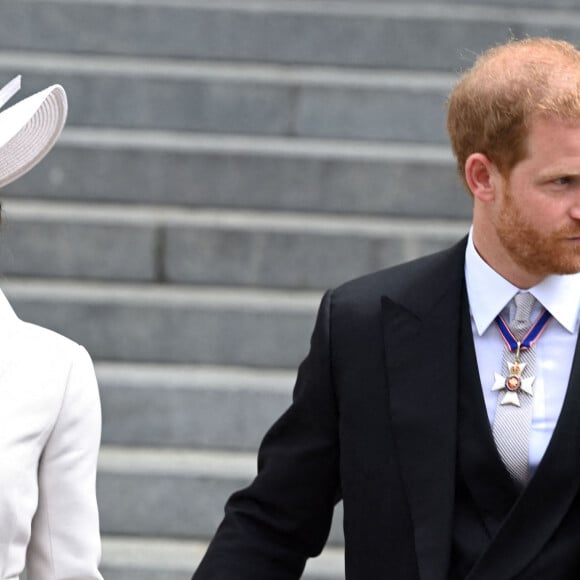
29, 129
9, 90
49, 438
488, 294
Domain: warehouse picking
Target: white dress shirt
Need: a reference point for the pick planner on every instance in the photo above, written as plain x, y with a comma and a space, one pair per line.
50, 425
489, 294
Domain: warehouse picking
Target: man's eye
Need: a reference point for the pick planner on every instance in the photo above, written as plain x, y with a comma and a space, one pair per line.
562, 180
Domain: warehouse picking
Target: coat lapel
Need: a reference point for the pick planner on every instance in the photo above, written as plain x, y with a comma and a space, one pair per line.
421, 332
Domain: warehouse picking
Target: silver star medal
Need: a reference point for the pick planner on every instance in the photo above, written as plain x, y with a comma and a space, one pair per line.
513, 382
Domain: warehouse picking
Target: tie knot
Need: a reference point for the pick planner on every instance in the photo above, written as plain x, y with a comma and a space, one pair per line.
524, 302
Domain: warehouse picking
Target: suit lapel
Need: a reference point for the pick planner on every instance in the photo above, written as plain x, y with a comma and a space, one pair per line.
421, 330
540, 509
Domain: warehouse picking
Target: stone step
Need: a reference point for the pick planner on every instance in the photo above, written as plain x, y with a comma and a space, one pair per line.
131, 558
566, 4
169, 324
216, 247
181, 493
249, 172
368, 34
301, 258
190, 406
207, 97
77, 241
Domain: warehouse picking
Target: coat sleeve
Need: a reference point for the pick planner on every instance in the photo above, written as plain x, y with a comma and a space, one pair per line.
65, 541
284, 516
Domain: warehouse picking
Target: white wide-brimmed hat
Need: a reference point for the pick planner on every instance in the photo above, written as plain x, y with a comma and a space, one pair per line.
28, 129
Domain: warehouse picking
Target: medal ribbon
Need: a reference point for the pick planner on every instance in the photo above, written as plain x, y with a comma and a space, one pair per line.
532, 336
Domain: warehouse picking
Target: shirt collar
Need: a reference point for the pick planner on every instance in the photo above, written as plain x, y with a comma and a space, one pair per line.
560, 295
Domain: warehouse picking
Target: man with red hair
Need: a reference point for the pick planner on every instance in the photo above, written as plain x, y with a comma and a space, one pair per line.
440, 399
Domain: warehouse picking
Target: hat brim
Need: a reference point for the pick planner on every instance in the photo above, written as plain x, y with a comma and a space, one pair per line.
28, 131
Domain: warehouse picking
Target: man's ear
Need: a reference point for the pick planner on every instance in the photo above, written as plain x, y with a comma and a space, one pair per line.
481, 176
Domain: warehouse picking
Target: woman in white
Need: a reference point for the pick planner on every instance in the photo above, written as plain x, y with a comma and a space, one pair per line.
50, 420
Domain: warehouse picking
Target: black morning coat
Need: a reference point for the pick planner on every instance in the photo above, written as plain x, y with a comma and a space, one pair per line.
375, 421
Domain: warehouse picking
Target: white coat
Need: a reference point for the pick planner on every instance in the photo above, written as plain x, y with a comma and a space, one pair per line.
50, 426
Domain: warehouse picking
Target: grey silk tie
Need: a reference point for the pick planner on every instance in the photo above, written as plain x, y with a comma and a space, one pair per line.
512, 424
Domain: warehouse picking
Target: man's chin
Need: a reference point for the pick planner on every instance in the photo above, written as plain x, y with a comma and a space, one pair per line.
544, 266
560, 269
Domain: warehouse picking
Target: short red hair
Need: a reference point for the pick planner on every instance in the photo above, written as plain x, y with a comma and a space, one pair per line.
493, 104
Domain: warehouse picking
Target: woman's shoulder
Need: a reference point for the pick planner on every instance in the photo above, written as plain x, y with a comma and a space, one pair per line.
39, 351
46, 339
36, 342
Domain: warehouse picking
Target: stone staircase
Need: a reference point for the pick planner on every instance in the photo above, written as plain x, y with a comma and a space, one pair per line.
223, 164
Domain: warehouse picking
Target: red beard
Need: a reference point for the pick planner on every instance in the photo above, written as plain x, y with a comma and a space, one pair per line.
535, 251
